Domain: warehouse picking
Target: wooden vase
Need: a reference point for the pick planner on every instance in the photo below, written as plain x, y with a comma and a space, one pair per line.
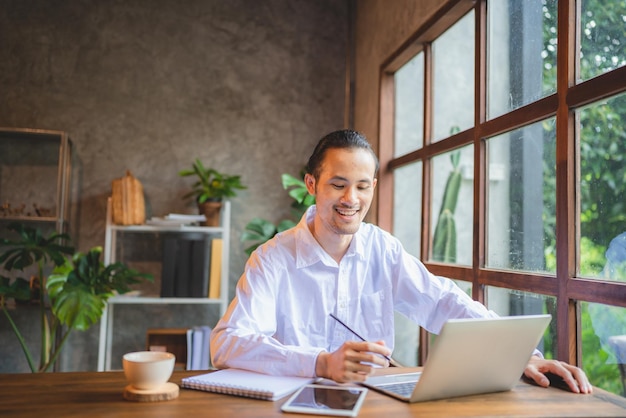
211, 210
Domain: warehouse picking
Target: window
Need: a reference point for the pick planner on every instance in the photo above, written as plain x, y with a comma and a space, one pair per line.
521, 203
507, 158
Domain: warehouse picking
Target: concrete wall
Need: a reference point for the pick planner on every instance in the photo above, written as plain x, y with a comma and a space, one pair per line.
247, 86
381, 28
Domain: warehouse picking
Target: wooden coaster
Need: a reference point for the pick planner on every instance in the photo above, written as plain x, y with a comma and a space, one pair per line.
166, 392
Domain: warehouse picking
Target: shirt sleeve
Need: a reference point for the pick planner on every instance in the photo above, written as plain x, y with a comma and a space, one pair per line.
243, 338
432, 300
427, 299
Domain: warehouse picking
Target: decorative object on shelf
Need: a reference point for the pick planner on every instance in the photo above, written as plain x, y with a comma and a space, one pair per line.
210, 189
260, 230
72, 297
128, 201
6, 210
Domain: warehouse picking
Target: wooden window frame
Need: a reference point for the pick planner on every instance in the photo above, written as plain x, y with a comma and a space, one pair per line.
565, 286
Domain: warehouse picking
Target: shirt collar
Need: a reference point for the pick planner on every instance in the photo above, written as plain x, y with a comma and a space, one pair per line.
309, 251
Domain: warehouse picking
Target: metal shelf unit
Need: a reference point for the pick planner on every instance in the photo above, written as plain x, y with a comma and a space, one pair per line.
106, 322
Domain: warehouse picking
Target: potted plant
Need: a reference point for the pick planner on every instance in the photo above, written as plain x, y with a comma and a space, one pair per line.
260, 230
210, 189
72, 297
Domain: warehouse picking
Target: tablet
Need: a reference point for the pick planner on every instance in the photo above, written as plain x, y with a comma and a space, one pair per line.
341, 401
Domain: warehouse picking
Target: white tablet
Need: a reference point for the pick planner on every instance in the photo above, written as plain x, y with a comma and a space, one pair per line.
343, 401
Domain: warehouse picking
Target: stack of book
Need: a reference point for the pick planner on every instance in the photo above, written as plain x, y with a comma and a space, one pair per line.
176, 219
191, 266
198, 357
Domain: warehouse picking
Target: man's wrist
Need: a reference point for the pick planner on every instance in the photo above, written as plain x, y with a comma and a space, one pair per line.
321, 364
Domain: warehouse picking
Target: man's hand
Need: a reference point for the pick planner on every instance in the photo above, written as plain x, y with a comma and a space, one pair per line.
352, 362
572, 376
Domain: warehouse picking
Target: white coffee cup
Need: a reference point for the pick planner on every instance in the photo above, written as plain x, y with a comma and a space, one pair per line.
147, 370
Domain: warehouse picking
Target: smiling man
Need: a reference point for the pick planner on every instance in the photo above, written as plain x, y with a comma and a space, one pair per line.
334, 263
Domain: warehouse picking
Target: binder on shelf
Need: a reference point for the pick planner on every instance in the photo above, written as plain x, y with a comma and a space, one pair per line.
185, 266
200, 260
215, 276
168, 266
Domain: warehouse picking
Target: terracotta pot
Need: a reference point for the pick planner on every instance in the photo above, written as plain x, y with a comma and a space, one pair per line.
211, 210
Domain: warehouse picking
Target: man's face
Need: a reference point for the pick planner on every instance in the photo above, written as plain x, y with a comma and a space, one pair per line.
344, 191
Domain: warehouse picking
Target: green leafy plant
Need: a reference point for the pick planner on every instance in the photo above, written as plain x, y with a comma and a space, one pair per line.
261, 230
72, 297
211, 185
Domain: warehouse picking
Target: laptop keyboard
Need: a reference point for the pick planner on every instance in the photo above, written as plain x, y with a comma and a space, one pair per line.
402, 388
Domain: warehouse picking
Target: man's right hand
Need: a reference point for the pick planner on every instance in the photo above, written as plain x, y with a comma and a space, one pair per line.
352, 362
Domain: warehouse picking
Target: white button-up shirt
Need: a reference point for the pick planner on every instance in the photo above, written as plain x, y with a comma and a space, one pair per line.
279, 319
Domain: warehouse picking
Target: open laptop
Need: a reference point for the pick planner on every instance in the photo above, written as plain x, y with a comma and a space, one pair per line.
469, 356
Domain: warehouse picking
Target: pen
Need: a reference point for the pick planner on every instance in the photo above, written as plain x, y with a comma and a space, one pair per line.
391, 361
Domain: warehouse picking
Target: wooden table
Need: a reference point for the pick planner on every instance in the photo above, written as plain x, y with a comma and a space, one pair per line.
99, 394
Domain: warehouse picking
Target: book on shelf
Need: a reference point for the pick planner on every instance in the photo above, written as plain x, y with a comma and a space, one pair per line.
176, 219
215, 274
246, 383
156, 221
189, 348
205, 358
185, 217
185, 265
196, 347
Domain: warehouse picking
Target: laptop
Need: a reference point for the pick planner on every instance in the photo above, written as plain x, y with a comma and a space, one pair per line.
469, 356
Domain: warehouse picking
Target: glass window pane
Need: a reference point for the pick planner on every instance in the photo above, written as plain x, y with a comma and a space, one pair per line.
521, 53
407, 216
407, 207
509, 302
603, 189
521, 206
452, 206
603, 340
453, 79
602, 37
409, 106
406, 343
465, 286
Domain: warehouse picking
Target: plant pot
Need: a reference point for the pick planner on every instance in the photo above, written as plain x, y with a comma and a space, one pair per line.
211, 210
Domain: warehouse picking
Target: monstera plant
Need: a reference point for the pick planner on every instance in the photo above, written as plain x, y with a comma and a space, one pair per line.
72, 297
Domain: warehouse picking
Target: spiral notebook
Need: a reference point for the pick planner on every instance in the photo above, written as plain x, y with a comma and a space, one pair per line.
245, 383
